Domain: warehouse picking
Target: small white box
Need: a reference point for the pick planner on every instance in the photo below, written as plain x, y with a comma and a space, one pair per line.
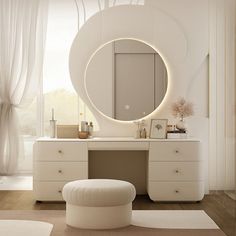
177, 135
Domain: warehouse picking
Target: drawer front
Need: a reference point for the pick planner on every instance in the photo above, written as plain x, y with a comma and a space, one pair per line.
174, 151
60, 171
118, 145
176, 191
61, 151
48, 191
176, 171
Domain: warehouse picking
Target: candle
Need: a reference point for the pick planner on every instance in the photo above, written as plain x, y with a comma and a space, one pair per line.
52, 113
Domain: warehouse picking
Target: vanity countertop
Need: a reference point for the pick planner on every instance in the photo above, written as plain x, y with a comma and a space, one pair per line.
114, 139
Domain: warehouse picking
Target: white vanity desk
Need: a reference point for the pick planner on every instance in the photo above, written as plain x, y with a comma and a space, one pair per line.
175, 167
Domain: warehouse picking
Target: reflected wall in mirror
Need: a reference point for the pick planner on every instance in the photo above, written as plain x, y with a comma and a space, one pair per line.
126, 79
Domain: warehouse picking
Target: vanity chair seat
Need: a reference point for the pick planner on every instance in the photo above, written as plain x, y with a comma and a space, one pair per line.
98, 203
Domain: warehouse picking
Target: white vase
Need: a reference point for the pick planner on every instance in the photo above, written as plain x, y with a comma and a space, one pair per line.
180, 125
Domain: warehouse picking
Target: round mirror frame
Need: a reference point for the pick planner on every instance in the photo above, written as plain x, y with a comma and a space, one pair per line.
93, 102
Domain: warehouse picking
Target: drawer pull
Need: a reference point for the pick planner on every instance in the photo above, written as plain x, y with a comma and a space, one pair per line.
59, 191
176, 191
177, 171
177, 151
60, 171
60, 151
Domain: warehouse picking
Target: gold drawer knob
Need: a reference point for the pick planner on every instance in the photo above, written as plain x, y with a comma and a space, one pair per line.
59, 191
60, 171
177, 171
176, 191
176, 151
60, 151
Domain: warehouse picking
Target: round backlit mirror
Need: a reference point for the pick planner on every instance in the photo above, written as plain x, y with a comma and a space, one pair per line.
126, 79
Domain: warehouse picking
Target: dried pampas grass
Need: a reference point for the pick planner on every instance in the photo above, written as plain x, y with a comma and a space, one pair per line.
181, 108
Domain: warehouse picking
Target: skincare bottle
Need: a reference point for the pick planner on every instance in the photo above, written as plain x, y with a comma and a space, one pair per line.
86, 127
143, 133
90, 129
138, 134
138, 130
83, 126
53, 128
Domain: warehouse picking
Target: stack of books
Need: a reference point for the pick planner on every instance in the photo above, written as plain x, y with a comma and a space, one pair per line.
174, 133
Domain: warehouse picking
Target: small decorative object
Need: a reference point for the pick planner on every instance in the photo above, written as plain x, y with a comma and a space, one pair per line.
83, 135
67, 131
158, 128
181, 109
170, 128
84, 125
90, 129
179, 135
140, 124
53, 130
143, 133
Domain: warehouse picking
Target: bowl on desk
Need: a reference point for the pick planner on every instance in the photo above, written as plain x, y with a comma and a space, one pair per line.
83, 134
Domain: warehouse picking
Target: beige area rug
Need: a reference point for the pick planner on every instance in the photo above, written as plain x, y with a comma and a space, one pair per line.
173, 219
24, 228
57, 218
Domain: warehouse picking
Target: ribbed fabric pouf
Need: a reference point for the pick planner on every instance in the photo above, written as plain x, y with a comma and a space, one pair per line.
98, 203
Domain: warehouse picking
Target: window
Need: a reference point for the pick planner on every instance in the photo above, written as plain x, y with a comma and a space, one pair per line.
58, 92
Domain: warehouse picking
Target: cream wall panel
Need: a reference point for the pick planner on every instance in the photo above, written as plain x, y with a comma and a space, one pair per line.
230, 100
222, 94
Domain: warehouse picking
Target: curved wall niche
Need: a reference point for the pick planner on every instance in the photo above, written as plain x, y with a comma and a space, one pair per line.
154, 28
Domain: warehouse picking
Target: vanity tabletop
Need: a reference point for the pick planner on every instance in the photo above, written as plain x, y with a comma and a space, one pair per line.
115, 139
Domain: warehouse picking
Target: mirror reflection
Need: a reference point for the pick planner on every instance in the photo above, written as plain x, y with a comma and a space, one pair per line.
126, 79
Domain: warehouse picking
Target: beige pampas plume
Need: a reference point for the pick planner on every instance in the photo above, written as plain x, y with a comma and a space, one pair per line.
181, 108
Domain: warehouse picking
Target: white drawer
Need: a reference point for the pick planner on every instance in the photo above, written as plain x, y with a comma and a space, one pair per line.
61, 151
174, 151
176, 191
48, 191
60, 171
118, 145
176, 171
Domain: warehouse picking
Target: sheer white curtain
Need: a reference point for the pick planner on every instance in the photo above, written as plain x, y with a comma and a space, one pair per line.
22, 36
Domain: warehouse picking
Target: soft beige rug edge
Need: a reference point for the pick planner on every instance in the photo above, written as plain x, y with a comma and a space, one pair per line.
57, 218
25, 227
173, 219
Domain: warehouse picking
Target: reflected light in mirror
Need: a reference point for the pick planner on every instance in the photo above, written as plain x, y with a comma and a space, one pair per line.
126, 79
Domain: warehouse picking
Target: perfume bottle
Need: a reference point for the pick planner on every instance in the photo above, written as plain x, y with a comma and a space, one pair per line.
53, 128
90, 129
84, 125
143, 133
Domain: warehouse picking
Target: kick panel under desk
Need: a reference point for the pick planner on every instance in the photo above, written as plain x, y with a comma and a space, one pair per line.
174, 166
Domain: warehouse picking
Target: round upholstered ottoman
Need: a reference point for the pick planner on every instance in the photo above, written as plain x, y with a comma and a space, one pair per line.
98, 203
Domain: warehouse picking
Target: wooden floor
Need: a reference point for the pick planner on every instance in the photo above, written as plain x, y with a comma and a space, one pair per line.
218, 206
